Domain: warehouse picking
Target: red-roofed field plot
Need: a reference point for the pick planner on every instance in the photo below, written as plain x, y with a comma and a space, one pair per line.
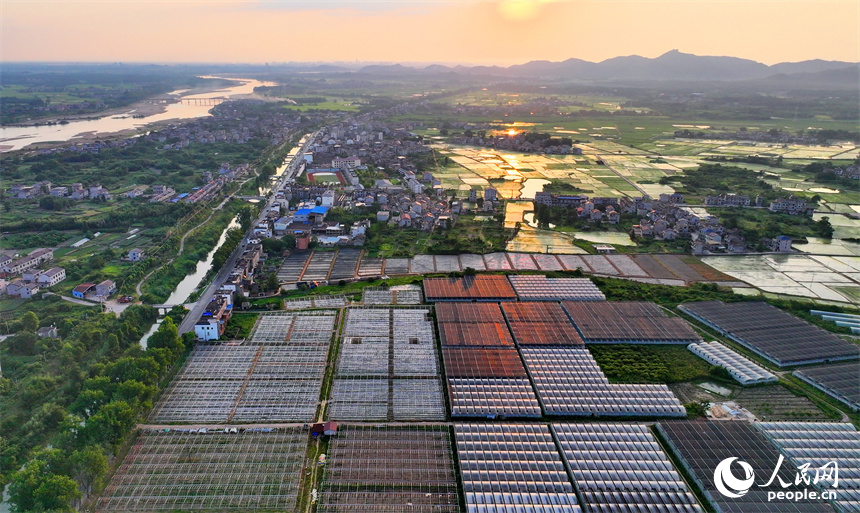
469, 362
472, 324
540, 324
469, 288
477, 334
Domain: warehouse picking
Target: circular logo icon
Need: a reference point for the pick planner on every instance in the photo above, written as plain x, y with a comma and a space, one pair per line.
726, 482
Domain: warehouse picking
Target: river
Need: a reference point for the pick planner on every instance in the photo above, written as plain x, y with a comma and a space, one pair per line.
17, 137
191, 282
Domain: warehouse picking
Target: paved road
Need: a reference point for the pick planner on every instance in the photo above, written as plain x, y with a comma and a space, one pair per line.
75, 300
194, 315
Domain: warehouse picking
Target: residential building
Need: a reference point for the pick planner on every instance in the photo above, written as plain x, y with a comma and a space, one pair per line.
32, 274
781, 244
560, 200
28, 290
729, 200
213, 322
136, 192
792, 206
34, 259
135, 255
105, 288
52, 277
14, 287
327, 198
671, 198
341, 163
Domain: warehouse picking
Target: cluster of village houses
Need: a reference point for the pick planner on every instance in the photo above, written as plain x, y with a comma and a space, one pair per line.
158, 193
669, 219
76, 191
852, 172
416, 200
516, 142
25, 276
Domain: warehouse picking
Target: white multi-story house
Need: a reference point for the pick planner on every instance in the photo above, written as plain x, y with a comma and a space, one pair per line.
51, 277
135, 255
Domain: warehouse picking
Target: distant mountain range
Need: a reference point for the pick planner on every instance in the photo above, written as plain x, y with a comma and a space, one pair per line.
673, 65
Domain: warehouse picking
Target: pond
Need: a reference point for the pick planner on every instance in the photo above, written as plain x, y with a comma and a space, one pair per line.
811, 276
717, 389
615, 238
837, 247
531, 240
601, 237
532, 186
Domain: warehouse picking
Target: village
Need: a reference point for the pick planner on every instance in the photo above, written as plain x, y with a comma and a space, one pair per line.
158, 194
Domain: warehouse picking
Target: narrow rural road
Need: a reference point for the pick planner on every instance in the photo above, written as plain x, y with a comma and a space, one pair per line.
74, 300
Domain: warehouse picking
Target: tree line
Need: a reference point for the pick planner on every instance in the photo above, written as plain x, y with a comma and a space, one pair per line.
70, 403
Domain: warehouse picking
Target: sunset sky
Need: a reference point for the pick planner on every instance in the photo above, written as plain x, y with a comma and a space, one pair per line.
447, 31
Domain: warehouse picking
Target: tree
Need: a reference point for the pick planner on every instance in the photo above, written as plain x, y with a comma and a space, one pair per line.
88, 467
30, 322
824, 228
167, 337
134, 392
23, 344
144, 369
36, 487
109, 425
272, 282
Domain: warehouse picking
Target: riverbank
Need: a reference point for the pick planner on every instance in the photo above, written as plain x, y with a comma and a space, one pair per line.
123, 122
147, 107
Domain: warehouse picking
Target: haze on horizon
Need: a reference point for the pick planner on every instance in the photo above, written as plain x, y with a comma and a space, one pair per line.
501, 32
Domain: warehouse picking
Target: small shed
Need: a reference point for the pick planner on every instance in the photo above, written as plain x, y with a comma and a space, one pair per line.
81, 290
328, 428
48, 332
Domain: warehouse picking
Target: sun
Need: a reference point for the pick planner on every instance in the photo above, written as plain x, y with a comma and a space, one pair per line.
519, 10
512, 132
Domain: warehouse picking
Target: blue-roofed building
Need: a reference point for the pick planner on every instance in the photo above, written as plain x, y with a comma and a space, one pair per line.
317, 215
302, 215
782, 244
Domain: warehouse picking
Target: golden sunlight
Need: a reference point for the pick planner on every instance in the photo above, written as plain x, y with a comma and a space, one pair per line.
519, 10
512, 132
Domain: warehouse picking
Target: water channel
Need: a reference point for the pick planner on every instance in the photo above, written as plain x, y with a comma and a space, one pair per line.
17, 137
191, 282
